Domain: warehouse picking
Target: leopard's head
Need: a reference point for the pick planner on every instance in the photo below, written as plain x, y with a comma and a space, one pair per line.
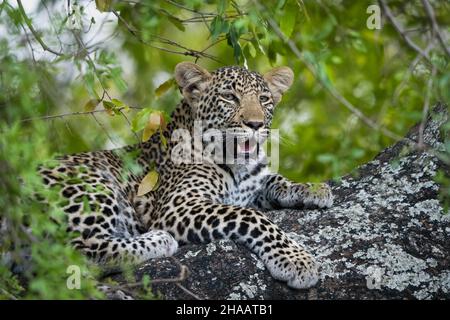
234, 100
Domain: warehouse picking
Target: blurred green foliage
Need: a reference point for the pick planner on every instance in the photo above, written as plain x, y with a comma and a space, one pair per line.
81, 75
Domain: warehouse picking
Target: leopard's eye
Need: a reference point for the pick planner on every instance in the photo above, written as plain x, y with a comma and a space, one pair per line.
229, 97
263, 99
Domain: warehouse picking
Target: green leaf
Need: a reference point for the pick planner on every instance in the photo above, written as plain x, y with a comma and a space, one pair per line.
237, 52
256, 43
163, 139
148, 184
89, 80
323, 75
326, 157
155, 121
86, 206
222, 6
357, 153
91, 105
359, 45
164, 87
117, 103
272, 54
218, 26
140, 119
280, 4
146, 281
251, 49
233, 40
120, 106
109, 107
177, 23
116, 76
288, 19
103, 5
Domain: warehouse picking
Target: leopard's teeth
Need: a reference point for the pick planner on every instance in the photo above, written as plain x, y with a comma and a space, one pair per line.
242, 148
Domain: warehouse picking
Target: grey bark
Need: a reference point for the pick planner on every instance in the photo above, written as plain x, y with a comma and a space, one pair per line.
386, 237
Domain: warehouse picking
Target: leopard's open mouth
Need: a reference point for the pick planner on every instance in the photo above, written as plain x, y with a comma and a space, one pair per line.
247, 146
241, 144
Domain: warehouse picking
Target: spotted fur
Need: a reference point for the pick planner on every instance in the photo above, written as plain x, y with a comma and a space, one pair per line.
195, 202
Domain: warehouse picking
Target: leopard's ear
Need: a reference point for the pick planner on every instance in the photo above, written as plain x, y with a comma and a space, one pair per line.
279, 80
192, 79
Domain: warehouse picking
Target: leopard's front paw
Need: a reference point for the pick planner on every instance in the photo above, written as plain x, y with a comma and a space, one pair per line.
295, 266
307, 195
318, 195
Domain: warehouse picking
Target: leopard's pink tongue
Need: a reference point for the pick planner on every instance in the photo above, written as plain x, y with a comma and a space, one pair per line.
246, 146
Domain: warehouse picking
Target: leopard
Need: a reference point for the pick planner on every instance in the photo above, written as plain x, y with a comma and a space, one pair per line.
194, 202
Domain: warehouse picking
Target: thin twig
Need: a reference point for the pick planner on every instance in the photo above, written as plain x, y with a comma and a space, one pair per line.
411, 68
416, 29
179, 5
430, 13
33, 31
400, 30
79, 113
189, 292
53, 25
186, 52
182, 275
30, 45
105, 92
8, 294
104, 129
209, 19
98, 32
210, 46
38, 38
68, 127
213, 44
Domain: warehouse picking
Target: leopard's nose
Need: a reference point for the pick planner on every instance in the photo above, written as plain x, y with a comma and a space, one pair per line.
255, 125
